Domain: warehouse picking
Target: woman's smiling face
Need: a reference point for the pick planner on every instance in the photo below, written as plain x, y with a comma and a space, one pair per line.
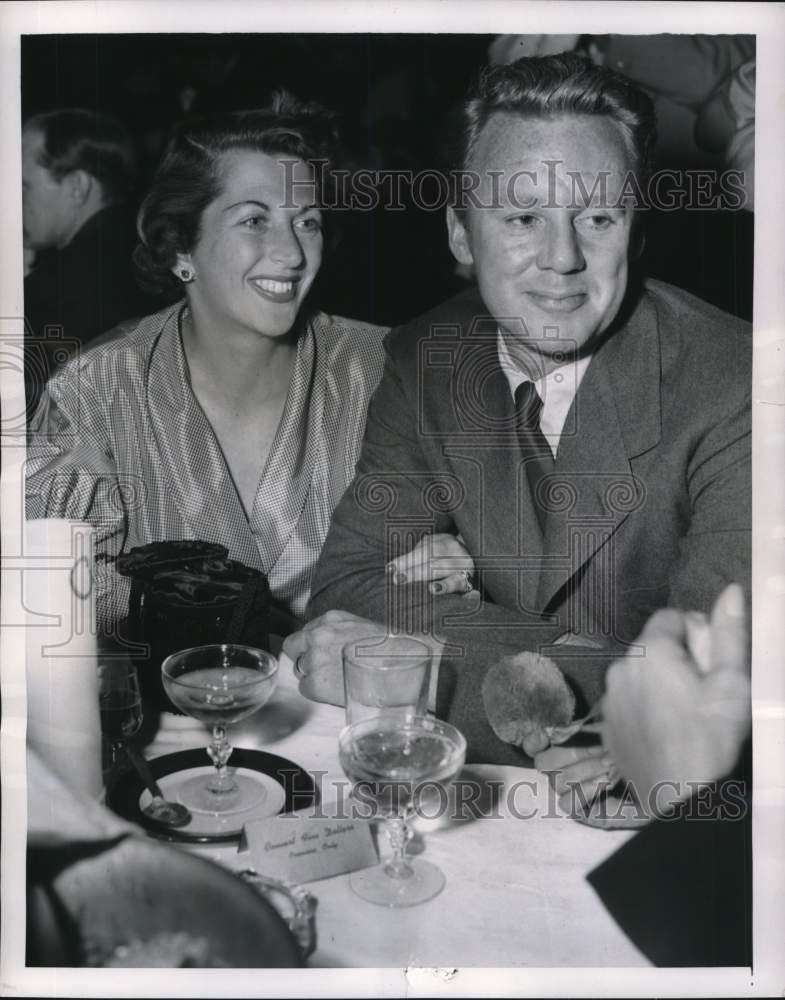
260, 245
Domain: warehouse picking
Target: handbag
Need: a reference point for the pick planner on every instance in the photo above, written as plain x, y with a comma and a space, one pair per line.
186, 594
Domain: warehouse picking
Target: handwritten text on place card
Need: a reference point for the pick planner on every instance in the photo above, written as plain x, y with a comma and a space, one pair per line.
297, 849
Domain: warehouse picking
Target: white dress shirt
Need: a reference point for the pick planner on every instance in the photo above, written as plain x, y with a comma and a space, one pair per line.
557, 390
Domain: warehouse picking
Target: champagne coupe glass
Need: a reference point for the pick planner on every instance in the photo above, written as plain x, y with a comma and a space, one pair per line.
220, 685
385, 674
119, 703
394, 763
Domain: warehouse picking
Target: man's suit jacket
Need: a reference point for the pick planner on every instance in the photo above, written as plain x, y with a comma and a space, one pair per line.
648, 503
79, 292
681, 888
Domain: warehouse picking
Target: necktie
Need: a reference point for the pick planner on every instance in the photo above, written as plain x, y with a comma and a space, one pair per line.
536, 450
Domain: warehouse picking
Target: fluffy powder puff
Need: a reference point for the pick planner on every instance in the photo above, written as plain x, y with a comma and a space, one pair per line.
523, 693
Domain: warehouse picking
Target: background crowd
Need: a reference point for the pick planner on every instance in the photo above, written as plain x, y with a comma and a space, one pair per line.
394, 96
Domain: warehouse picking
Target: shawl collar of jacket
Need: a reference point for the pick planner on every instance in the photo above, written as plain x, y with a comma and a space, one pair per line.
614, 418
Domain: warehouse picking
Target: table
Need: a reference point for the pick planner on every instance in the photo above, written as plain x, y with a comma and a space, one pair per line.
516, 893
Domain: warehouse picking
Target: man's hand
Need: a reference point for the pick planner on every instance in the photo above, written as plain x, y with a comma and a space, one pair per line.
316, 652
680, 713
441, 559
575, 771
667, 722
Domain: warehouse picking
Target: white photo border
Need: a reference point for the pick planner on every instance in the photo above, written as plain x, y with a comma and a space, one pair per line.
767, 22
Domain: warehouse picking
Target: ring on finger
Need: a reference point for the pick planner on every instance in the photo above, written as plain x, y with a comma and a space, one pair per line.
298, 671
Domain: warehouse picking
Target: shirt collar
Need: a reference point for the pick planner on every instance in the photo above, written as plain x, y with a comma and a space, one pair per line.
557, 389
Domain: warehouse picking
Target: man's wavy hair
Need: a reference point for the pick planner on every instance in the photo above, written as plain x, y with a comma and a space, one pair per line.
189, 176
82, 139
548, 87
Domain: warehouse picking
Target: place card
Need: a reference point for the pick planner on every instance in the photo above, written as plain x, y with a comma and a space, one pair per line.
304, 849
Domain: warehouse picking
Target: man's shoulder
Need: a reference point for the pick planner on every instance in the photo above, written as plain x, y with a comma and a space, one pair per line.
695, 335
681, 306
461, 309
113, 224
103, 245
454, 317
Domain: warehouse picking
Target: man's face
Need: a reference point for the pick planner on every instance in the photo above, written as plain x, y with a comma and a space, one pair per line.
48, 208
550, 253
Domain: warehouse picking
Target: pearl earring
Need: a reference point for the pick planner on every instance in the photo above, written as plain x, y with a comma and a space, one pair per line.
185, 274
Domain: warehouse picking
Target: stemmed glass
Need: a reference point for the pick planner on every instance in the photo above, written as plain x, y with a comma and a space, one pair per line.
395, 755
394, 763
119, 703
219, 685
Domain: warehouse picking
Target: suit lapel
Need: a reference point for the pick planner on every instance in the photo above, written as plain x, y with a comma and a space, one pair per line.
485, 444
615, 416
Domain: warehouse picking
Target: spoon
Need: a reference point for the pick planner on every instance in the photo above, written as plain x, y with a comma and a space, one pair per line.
159, 810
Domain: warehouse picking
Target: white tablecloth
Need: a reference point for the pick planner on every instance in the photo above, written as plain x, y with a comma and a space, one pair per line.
516, 893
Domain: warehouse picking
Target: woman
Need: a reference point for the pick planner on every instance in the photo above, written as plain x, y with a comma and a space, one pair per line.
234, 416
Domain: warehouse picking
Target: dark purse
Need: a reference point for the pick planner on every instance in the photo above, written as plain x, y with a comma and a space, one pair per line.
185, 594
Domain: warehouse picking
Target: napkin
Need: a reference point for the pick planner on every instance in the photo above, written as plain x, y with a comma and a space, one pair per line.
58, 595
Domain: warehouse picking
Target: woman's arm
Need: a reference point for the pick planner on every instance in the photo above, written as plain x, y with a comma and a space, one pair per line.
71, 472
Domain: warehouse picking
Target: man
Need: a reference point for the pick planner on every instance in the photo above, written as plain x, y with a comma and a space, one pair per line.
621, 487
77, 172
678, 730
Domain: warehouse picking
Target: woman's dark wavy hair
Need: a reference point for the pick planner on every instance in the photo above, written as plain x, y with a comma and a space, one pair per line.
546, 87
188, 178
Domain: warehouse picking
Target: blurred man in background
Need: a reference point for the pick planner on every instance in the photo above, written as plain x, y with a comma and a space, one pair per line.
78, 171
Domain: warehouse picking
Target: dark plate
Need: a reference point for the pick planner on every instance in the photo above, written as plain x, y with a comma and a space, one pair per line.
298, 787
